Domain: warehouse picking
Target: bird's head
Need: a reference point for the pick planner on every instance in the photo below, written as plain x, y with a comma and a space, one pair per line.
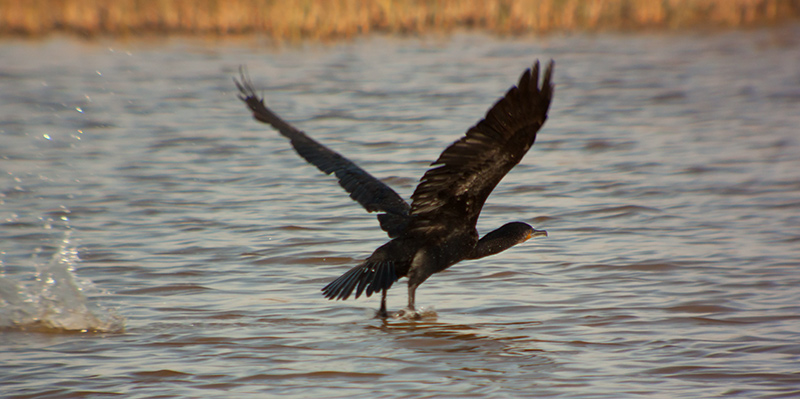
535, 233
505, 237
522, 231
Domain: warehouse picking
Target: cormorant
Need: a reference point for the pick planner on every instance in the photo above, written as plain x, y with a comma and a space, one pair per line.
438, 229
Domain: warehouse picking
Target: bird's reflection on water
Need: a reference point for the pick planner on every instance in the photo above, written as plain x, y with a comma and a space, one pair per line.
444, 336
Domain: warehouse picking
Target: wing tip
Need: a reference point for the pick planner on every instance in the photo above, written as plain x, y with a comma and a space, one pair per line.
247, 92
547, 84
529, 81
244, 84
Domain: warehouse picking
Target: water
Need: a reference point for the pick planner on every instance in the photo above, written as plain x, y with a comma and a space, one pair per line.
158, 242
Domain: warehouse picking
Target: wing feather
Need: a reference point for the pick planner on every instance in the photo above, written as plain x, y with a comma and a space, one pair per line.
464, 175
371, 193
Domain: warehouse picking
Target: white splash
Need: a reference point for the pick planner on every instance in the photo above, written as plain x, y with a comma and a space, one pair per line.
56, 299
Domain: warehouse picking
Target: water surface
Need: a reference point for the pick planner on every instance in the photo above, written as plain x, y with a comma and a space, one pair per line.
141, 204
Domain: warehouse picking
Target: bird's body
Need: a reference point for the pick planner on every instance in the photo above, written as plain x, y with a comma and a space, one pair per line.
437, 229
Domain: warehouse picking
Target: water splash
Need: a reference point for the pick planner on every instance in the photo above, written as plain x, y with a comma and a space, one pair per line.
424, 313
56, 299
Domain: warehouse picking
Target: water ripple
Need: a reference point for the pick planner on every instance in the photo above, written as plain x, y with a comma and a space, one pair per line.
666, 176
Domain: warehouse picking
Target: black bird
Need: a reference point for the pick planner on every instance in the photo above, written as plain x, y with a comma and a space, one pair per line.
438, 229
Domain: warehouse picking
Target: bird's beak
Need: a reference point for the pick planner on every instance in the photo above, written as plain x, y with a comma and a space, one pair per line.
537, 233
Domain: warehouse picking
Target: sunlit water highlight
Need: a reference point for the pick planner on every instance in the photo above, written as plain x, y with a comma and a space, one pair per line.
141, 202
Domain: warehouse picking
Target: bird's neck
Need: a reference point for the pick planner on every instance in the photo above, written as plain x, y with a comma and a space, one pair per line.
490, 244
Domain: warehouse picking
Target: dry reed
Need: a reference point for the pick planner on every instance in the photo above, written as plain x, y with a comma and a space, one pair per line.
327, 19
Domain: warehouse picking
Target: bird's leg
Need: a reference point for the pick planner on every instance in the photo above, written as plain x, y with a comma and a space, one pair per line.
412, 290
417, 274
410, 313
382, 313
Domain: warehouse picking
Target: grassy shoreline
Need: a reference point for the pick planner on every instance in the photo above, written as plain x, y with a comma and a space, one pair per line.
331, 19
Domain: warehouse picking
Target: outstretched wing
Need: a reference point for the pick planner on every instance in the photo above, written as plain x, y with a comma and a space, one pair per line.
455, 189
371, 193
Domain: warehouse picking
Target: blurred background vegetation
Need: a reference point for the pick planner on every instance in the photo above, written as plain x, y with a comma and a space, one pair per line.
331, 19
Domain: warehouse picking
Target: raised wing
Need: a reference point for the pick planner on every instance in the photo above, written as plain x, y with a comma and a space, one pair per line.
371, 193
455, 189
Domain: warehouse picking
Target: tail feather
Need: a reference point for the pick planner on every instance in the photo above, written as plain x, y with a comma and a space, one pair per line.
377, 281
349, 280
368, 278
362, 283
